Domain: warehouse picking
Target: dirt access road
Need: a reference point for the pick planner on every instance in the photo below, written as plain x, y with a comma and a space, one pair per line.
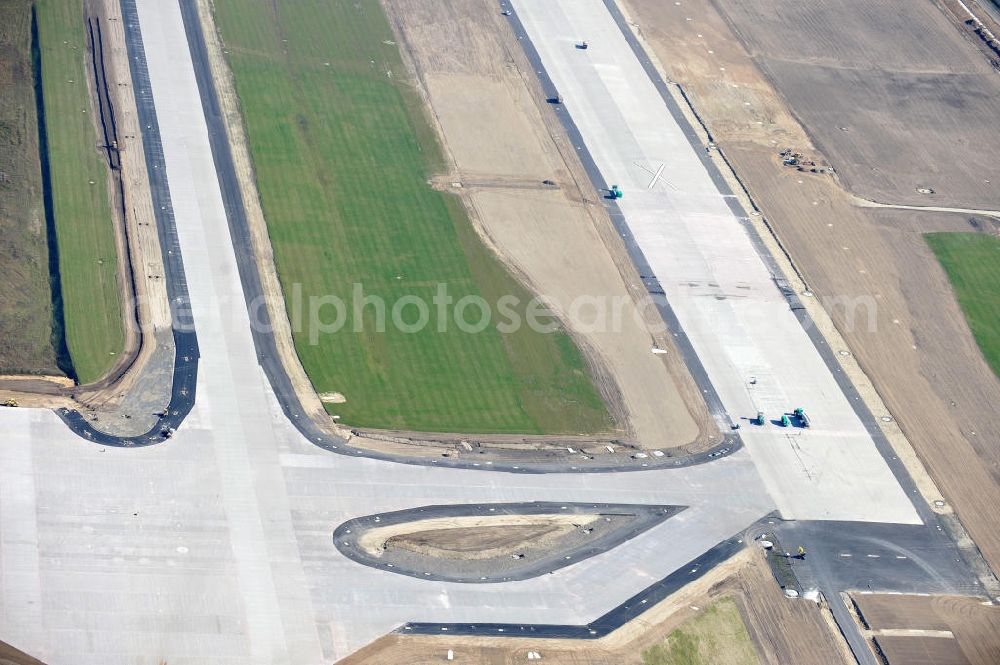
870, 268
503, 139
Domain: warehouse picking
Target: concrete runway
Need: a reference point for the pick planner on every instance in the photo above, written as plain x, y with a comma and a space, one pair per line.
721, 290
216, 546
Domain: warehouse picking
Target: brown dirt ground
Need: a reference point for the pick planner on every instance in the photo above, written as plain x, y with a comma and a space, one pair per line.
919, 353
502, 139
783, 630
478, 542
474, 537
463, 541
11, 656
967, 630
920, 650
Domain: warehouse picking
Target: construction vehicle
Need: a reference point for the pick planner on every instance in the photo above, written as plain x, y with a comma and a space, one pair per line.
785, 422
760, 418
800, 413
10, 402
582, 45
615, 192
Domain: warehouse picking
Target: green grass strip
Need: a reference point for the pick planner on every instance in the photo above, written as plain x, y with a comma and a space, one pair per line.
88, 260
972, 261
342, 152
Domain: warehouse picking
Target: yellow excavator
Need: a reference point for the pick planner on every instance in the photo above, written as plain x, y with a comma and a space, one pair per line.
9, 402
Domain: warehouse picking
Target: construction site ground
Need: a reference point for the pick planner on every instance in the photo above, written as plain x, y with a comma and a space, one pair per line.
869, 267
936, 630
503, 142
782, 630
474, 537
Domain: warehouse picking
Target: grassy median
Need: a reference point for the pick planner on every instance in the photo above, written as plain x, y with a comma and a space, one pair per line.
342, 152
972, 261
84, 232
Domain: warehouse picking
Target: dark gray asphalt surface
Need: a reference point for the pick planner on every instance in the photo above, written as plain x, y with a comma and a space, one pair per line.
345, 536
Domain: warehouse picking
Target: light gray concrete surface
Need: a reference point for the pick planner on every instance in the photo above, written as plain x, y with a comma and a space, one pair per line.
725, 298
215, 547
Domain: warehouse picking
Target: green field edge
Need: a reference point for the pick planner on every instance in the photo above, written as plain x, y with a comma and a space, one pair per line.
715, 635
83, 248
972, 263
341, 149
26, 321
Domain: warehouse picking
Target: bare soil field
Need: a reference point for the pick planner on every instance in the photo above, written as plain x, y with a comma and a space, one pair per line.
782, 630
871, 268
11, 656
920, 650
931, 629
478, 542
502, 140
895, 96
472, 537
883, 611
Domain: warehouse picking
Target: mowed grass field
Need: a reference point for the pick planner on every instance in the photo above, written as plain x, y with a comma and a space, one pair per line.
342, 153
26, 300
972, 261
88, 260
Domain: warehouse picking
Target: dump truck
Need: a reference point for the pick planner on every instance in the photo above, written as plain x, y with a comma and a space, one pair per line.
800, 413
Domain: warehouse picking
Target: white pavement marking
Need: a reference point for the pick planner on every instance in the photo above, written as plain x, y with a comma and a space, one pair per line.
725, 298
